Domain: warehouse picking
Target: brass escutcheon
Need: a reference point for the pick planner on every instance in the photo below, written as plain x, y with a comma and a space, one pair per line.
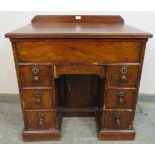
123, 70
40, 115
35, 71
121, 94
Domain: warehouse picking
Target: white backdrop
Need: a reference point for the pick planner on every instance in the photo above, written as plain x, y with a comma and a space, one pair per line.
13, 20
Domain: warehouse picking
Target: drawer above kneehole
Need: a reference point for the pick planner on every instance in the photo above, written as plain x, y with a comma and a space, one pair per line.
80, 69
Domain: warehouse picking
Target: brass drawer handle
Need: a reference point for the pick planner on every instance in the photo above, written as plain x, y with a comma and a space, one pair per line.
38, 96
40, 116
117, 117
121, 96
123, 72
35, 73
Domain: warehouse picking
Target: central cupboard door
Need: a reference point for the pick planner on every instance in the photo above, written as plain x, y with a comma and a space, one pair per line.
81, 91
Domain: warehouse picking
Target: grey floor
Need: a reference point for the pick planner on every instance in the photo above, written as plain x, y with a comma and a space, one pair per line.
76, 130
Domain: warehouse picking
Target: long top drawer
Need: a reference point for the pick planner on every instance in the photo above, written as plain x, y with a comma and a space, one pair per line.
80, 51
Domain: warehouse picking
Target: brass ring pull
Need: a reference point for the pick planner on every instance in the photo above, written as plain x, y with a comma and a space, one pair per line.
38, 96
117, 117
123, 78
35, 73
40, 116
123, 72
121, 96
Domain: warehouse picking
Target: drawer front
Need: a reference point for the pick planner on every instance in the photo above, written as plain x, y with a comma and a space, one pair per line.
84, 69
80, 51
119, 99
37, 99
122, 76
36, 76
117, 120
39, 119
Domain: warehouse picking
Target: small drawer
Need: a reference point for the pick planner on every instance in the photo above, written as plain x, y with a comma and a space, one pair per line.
39, 119
119, 99
35, 76
122, 76
37, 99
80, 69
117, 119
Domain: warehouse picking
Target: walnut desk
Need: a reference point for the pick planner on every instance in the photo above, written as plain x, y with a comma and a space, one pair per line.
78, 66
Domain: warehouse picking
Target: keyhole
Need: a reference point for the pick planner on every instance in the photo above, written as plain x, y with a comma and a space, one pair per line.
123, 70
69, 87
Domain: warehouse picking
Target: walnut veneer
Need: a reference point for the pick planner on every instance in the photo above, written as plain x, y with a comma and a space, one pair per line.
78, 66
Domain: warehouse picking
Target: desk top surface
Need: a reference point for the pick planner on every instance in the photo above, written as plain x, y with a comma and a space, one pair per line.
49, 26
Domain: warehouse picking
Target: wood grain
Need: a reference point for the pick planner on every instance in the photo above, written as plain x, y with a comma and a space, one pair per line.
87, 27
32, 120
114, 76
125, 120
52, 19
79, 52
113, 102
79, 63
27, 78
80, 69
31, 101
